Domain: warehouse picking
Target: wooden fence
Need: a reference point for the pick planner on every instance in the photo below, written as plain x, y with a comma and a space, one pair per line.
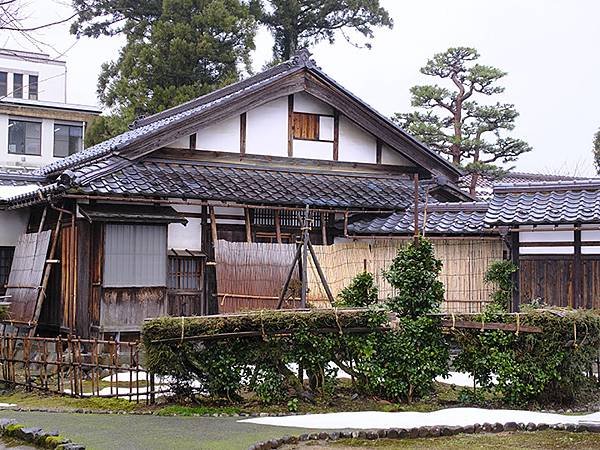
250, 275
76, 367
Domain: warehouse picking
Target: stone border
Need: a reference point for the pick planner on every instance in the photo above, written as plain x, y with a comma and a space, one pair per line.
36, 436
423, 432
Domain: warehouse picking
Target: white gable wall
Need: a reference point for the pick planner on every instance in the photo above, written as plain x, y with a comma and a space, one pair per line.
12, 225
356, 145
267, 129
267, 134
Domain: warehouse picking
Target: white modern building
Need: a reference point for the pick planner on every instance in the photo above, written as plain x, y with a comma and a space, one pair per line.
37, 124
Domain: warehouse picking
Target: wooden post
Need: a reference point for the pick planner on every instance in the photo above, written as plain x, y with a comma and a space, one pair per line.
213, 224
291, 125
336, 135
243, 133
42, 220
578, 270
323, 228
210, 274
514, 254
248, 225
416, 207
277, 226
305, 237
379, 152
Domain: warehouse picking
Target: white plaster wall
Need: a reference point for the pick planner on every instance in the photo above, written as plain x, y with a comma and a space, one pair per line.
267, 129
230, 211
186, 237
547, 236
356, 145
182, 142
313, 149
223, 136
12, 225
390, 156
51, 77
304, 102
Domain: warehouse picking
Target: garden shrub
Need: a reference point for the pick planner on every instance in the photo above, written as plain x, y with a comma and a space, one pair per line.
361, 292
499, 273
545, 368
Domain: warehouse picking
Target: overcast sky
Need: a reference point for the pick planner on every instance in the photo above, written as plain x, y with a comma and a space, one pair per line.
548, 47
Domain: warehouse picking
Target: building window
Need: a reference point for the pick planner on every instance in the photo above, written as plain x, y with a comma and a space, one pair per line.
68, 139
33, 87
185, 273
17, 85
3, 84
6, 257
313, 127
24, 138
135, 255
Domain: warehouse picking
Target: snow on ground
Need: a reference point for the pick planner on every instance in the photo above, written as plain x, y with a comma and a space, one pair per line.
7, 405
443, 417
460, 379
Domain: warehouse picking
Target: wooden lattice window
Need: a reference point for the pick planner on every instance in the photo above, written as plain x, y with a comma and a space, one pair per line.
185, 273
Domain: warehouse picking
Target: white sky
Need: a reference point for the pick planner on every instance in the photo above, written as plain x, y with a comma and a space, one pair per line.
548, 48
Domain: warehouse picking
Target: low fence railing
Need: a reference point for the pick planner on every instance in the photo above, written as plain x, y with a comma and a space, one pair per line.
76, 367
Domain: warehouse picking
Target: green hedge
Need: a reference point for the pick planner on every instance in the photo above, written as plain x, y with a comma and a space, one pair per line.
545, 368
399, 364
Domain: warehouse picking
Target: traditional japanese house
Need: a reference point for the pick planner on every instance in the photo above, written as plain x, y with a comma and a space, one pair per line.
128, 229
553, 229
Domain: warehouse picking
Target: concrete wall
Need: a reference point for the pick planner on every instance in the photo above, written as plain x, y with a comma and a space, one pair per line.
52, 76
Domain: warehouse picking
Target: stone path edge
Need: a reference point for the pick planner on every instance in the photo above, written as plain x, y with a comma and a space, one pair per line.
423, 432
36, 436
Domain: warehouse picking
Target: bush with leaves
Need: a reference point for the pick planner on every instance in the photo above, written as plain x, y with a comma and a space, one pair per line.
499, 273
361, 292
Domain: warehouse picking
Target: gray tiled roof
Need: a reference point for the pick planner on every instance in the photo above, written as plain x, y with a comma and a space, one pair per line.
17, 176
545, 203
441, 218
249, 184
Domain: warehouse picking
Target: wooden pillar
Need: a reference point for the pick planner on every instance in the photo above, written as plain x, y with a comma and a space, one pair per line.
248, 225
514, 255
379, 151
577, 270
291, 125
324, 228
278, 226
213, 225
336, 135
210, 272
243, 133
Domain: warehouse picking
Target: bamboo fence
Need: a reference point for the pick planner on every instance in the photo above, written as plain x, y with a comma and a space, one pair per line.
76, 367
257, 271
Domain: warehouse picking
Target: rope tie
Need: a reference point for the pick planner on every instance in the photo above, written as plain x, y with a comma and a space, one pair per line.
337, 320
262, 326
182, 329
453, 322
518, 323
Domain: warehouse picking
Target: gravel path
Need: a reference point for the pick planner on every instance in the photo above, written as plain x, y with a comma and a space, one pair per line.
132, 432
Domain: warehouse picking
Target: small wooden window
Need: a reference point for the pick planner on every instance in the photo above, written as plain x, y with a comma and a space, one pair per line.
185, 273
306, 126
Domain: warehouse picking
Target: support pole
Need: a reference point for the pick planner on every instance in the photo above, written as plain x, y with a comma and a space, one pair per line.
289, 277
305, 237
321, 274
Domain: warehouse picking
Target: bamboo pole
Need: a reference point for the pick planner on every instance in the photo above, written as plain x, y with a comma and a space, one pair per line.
290, 274
321, 274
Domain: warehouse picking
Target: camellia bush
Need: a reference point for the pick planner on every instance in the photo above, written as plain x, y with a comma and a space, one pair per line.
361, 292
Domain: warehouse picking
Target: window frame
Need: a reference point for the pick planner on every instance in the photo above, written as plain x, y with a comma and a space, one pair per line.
69, 125
33, 94
317, 117
107, 282
7, 254
17, 92
3, 84
11, 124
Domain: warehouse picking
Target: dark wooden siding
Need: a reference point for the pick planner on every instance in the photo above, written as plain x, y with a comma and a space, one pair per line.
548, 278
591, 281
124, 309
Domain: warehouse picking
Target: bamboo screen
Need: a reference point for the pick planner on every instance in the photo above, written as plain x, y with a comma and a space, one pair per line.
259, 270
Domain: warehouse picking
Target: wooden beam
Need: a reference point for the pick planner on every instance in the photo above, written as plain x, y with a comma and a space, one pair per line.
379, 151
291, 125
577, 272
248, 225
336, 135
277, 226
243, 133
514, 255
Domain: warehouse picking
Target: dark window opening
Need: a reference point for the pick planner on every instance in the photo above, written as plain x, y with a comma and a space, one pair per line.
3, 84
185, 273
287, 219
24, 138
271, 238
18, 85
6, 257
33, 87
68, 139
